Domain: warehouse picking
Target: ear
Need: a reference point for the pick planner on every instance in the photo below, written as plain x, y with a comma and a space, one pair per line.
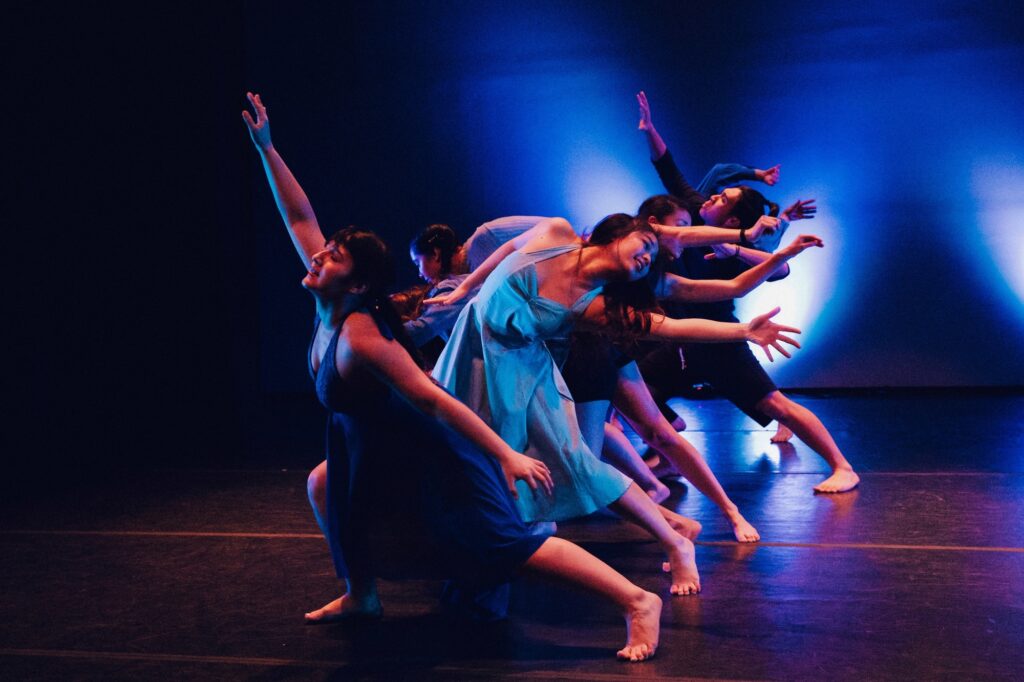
437, 254
731, 221
651, 220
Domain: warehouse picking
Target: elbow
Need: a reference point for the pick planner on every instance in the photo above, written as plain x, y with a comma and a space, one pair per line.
781, 273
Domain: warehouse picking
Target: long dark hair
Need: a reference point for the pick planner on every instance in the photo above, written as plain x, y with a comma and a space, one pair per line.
629, 306
441, 237
373, 267
751, 206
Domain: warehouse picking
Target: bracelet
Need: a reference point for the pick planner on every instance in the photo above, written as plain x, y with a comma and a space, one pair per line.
736, 253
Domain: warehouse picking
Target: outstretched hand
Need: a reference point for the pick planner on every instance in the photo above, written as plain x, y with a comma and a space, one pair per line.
769, 176
533, 472
800, 244
767, 334
645, 112
801, 210
446, 299
259, 130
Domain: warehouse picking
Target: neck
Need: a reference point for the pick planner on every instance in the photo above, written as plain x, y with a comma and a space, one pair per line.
597, 266
332, 310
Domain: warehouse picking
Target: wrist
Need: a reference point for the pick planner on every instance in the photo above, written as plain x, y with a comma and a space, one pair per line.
745, 331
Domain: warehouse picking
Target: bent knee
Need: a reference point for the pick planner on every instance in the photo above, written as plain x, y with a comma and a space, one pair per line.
776, 406
316, 484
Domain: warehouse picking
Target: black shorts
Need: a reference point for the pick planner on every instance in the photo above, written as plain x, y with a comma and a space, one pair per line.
591, 370
730, 368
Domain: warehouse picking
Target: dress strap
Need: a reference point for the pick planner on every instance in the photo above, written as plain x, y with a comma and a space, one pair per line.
551, 251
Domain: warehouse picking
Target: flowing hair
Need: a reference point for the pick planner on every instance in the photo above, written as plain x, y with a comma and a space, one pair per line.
629, 305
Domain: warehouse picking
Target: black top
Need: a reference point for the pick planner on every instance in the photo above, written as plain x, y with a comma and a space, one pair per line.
692, 263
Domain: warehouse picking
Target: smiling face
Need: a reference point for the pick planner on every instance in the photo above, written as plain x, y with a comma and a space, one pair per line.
330, 271
635, 252
718, 209
428, 265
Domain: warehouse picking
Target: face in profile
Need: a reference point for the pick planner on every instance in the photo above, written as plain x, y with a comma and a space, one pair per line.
330, 270
718, 209
428, 265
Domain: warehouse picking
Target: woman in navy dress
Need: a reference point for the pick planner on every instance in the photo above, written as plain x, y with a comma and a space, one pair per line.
388, 407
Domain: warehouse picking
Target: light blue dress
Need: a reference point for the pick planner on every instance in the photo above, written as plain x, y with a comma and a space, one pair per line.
498, 364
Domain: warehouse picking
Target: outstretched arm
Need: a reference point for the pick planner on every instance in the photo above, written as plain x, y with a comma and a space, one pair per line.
392, 364
760, 330
705, 235
747, 256
545, 234
292, 203
675, 288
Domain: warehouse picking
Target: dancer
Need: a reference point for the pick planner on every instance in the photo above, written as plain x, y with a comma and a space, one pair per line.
598, 376
538, 286
730, 368
366, 377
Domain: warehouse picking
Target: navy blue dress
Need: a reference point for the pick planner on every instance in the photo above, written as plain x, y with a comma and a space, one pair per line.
402, 485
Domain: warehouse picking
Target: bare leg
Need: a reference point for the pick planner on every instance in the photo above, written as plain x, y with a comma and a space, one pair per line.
782, 433
635, 404
360, 598
635, 506
316, 489
811, 431
621, 454
569, 563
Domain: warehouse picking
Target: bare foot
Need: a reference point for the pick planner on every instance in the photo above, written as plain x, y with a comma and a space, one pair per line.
643, 623
682, 563
659, 493
841, 481
344, 608
742, 529
782, 434
688, 528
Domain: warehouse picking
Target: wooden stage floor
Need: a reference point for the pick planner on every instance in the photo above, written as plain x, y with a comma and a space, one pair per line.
205, 574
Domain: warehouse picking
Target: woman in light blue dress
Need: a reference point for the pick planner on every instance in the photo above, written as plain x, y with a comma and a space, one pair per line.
498, 361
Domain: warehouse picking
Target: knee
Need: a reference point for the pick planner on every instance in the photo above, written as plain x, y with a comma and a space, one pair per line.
776, 406
316, 485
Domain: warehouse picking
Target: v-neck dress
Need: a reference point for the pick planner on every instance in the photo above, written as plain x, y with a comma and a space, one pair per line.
402, 484
497, 361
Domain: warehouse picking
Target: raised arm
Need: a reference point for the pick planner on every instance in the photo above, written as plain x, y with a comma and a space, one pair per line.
292, 203
392, 364
723, 175
547, 233
675, 288
671, 177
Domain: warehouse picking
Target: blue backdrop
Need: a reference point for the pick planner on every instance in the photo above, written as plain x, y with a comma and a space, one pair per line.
902, 119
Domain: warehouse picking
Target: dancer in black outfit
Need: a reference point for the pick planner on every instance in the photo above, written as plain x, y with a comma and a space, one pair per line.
731, 368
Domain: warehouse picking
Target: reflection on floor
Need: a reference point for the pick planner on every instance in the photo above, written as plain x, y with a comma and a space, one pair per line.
205, 574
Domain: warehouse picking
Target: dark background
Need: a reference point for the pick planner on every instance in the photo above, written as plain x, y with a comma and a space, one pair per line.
156, 316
